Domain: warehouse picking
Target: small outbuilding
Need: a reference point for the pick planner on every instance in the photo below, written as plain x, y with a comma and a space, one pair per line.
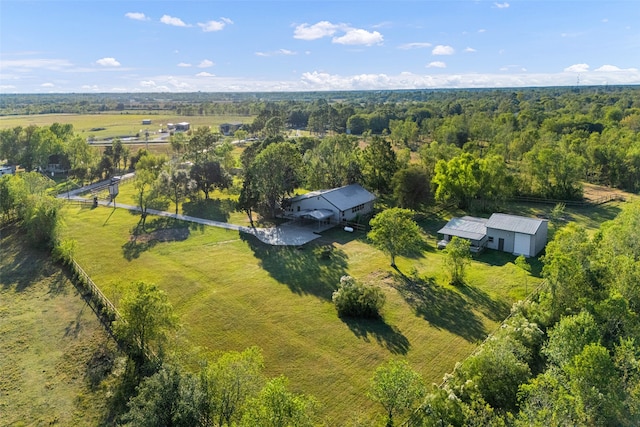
468, 227
507, 233
228, 129
336, 205
517, 234
182, 126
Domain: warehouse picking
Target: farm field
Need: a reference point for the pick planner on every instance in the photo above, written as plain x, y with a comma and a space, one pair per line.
232, 292
117, 124
49, 339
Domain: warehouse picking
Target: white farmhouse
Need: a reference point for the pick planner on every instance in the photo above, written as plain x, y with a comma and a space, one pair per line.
337, 205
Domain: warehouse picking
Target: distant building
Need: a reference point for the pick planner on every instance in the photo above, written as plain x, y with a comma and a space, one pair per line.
336, 205
146, 121
228, 129
182, 127
56, 164
507, 233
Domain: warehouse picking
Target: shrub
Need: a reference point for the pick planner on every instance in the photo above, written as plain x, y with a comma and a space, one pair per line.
353, 299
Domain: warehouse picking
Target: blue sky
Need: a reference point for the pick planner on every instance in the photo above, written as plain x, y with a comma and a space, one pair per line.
302, 45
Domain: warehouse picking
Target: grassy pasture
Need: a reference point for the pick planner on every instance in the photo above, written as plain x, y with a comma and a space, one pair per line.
116, 124
231, 291
49, 338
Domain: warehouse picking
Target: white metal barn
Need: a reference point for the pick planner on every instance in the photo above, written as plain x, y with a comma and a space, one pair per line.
507, 233
516, 234
336, 205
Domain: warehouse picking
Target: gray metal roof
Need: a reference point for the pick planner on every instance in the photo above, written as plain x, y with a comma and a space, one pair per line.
467, 227
318, 214
342, 198
518, 224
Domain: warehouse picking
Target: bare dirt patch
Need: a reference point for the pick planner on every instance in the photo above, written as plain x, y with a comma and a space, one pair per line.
597, 193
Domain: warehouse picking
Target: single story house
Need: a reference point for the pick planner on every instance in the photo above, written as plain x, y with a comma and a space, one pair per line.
337, 205
507, 233
146, 121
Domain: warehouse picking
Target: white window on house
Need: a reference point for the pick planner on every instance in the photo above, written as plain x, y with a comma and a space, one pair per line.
490, 239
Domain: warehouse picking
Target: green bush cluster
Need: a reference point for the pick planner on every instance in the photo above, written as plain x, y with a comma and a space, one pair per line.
353, 299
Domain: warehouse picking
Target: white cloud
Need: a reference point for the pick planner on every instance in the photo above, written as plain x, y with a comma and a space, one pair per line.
482, 30
436, 64
93, 88
206, 64
108, 62
279, 52
414, 45
351, 36
205, 74
442, 50
614, 69
470, 50
577, 68
47, 85
608, 68
316, 31
359, 37
211, 26
184, 65
148, 83
501, 5
29, 64
136, 16
170, 20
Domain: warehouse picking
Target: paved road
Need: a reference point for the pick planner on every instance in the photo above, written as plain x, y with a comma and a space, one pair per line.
284, 235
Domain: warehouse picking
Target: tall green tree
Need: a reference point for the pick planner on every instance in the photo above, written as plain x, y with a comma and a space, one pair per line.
379, 164
209, 175
566, 269
457, 180
167, 398
149, 193
394, 232
148, 320
411, 187
177, 185
275, 173
333, 163
230, 382
275, 406
457, 258
397, 387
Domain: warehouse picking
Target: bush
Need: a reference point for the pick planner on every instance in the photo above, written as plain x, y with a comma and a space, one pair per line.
353, 299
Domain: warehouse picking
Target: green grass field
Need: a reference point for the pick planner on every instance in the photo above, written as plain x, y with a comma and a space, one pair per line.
48, 338
231, 292
116, 124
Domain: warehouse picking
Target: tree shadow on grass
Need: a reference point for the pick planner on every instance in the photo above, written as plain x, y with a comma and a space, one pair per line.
441, 307
27, 265
160, 229
386, 335
494, 309
212, 209
306, 270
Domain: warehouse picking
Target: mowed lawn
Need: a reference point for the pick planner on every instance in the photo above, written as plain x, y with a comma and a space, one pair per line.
232, 292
